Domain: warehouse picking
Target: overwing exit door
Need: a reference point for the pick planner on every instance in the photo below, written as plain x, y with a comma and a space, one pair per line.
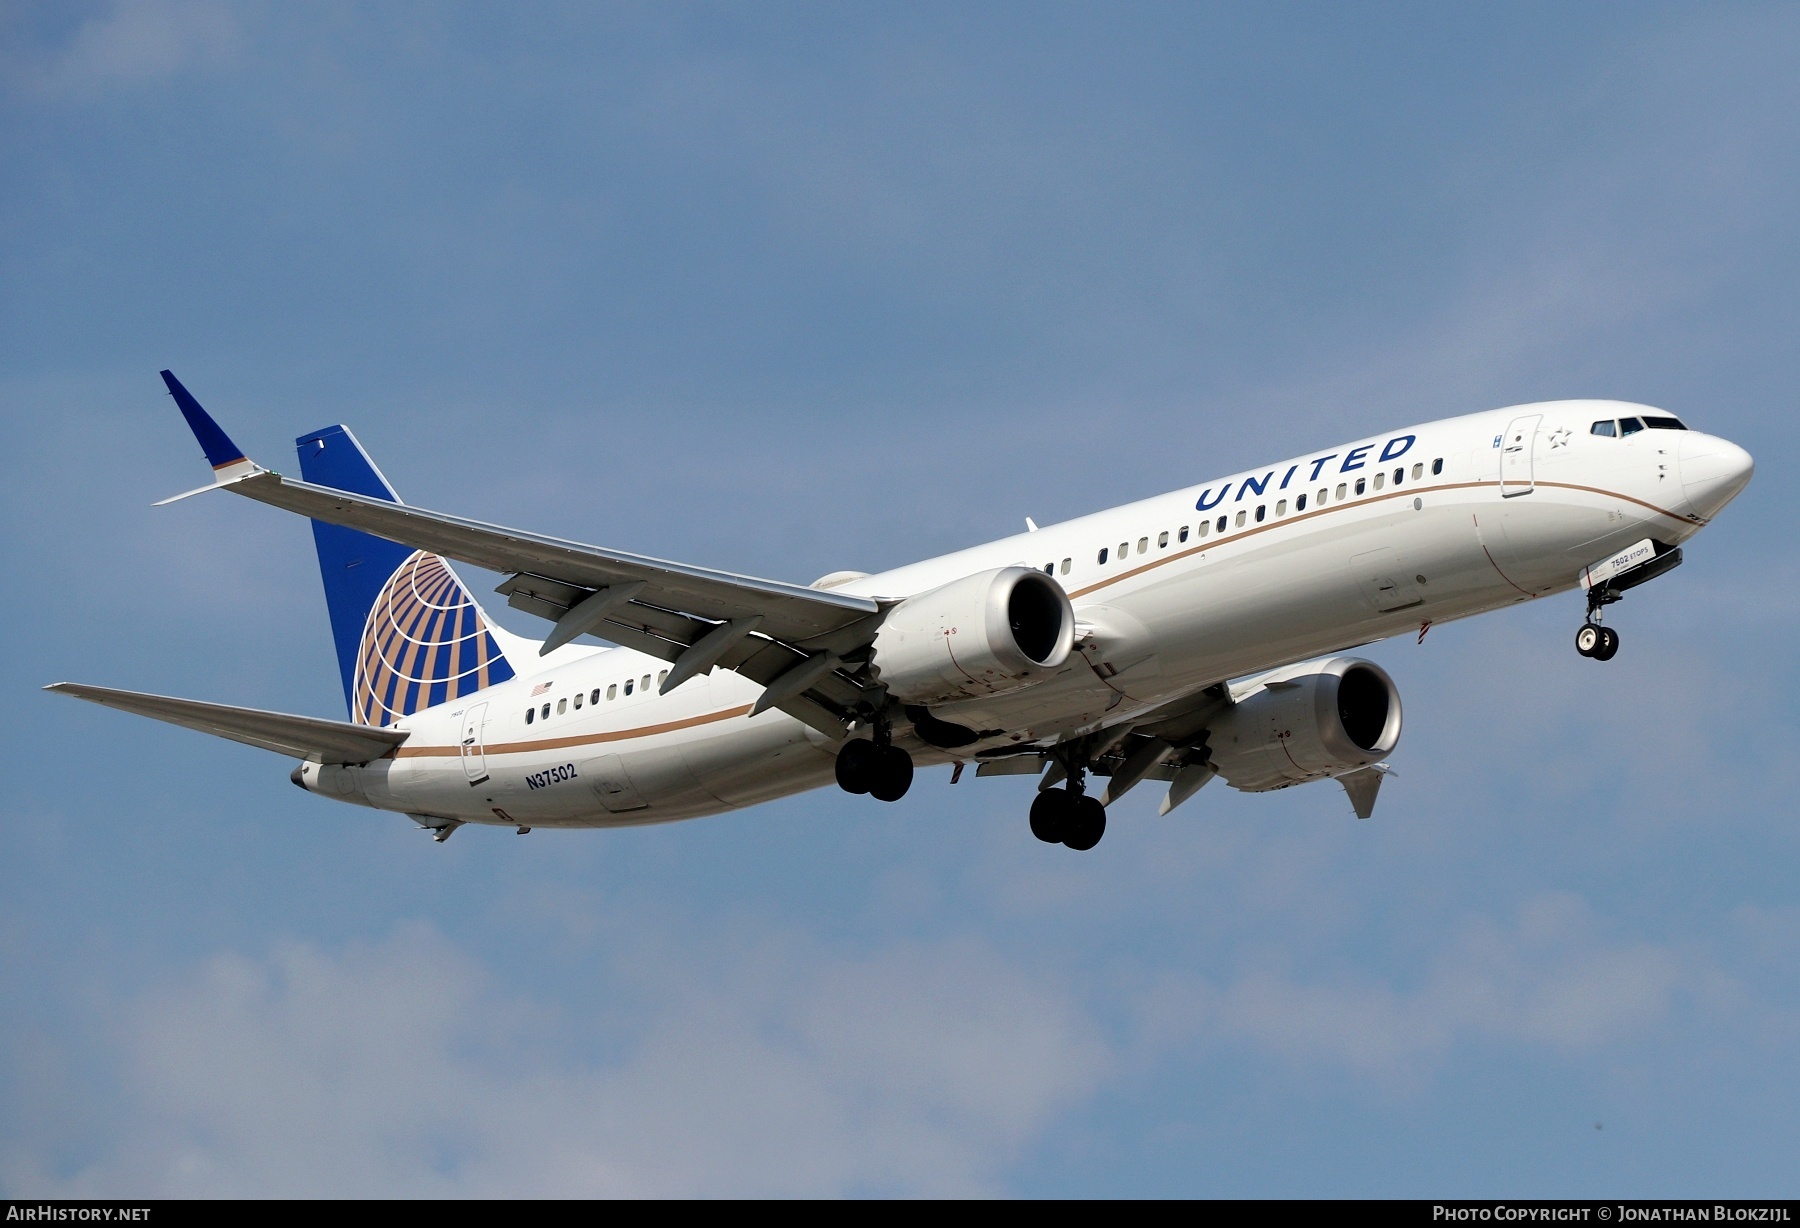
474, 755
1516, 448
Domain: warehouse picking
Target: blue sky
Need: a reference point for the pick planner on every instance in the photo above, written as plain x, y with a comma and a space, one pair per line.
792, 288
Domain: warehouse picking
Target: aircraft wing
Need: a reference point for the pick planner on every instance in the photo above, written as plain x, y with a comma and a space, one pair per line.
301, 737
789, 611
789, 638
668, 610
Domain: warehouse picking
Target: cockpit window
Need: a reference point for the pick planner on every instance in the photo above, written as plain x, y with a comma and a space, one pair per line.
1664, 424
1609, 428
1630, 426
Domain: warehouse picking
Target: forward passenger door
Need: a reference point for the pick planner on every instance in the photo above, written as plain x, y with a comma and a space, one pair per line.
1516, 448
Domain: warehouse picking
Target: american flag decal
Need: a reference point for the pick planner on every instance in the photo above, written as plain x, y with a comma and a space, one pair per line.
425, 642
539, 689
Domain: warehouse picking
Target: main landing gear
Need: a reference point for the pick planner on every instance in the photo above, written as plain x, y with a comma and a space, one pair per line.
878, 768
1068, 816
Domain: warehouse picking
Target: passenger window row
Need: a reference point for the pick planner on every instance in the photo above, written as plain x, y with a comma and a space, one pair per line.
1224, 523
612, 692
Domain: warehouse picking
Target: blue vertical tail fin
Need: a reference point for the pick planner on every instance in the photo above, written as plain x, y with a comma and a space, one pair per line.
409, 635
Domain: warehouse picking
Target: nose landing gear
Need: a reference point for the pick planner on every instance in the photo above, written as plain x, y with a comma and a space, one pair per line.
1593, 640
1606, 582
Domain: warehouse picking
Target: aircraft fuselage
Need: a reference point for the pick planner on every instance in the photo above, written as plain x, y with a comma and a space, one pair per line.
1172, 595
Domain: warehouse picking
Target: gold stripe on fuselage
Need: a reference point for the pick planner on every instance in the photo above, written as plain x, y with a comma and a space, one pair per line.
583, 739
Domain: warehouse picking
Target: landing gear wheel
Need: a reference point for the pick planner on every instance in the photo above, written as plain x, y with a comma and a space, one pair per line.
892, 775
1588, 639
1050, 810
856, 766
1608, 646
1085, 824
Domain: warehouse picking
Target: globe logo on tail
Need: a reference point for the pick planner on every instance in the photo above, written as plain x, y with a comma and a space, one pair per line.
425, 642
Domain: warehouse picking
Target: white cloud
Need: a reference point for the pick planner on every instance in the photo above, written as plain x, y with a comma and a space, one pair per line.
393, 1069
134, 43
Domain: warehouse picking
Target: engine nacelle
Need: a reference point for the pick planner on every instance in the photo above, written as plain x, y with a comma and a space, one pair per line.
984, 634
1307, 722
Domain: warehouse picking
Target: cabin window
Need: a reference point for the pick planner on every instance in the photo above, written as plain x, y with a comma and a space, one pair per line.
644, 683
1065, 566
1300, 503
546, 712
530, 715
1103, 554
562, 706
1418, 471
612, 692
1379, 478
1340, 492
1222, 523
1362, 486
1240, 519
578, 701
1260, 509
1398, 474
1124, 550
628, 686
1143, 545
1664, 424
1205, 527
1183, 533
1049, 569
1437, 466
1163, 539
1630, 426
595, 697
661, 678
1609, 428
1281, 507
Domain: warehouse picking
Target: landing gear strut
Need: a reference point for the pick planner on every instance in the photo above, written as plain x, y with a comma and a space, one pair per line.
876, 766
1594, 640
1068, 816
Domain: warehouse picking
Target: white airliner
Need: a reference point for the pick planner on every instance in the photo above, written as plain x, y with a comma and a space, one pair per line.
1176, 639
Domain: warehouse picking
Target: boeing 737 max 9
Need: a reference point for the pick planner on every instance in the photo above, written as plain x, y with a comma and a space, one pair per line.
1176, 639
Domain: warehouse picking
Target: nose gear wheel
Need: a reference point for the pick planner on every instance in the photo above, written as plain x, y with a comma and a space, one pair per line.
1600, 643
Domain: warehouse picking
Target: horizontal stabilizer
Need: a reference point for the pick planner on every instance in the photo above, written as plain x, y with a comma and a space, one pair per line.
302, 737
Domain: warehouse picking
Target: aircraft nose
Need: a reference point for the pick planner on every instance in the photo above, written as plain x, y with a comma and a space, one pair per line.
1713, 471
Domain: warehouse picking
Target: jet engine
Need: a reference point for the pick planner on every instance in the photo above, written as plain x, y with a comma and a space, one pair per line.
984, 634
1307, 722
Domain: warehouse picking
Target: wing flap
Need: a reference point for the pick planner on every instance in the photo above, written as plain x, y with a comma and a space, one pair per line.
300, 737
